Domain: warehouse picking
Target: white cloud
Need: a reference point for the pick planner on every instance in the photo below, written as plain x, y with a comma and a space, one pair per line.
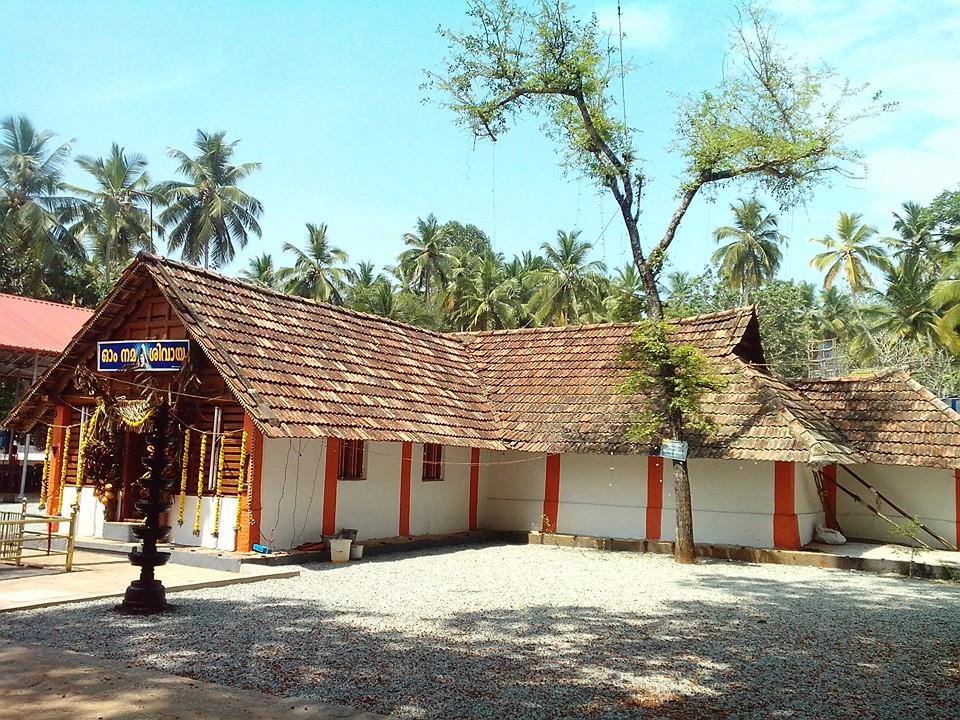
645, 25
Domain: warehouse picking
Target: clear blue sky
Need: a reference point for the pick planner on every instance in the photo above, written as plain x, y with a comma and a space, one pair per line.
326, 95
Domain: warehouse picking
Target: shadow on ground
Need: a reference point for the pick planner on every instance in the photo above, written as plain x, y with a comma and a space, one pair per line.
775, 653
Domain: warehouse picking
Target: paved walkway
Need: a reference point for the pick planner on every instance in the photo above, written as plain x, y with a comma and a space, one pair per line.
97, 575
47, 684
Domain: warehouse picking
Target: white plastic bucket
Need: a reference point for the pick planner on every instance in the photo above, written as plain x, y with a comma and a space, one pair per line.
340, 550
356, 551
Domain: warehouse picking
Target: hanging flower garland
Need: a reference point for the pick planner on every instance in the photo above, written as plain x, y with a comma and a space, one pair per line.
45, 475
203, 457
86, 430
64, 467
219, 488
241, 476
184, 464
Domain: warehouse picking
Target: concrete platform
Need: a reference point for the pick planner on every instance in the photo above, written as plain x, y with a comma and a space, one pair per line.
44, 582
47, 684
868, 557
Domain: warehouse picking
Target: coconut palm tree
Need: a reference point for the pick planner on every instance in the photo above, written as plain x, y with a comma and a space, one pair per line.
316, 271
625, 303
426, 262
571, 286
208, 214
262, 271
32, 230
904, 308
915, 225
835, 315
752, 256
481, 296
114, 215
851, 254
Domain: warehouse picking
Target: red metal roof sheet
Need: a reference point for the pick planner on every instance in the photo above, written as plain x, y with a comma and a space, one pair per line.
38, 325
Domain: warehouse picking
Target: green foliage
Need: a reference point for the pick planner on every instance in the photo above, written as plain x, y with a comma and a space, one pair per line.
850, 254
752, 255
316, 271
672, 380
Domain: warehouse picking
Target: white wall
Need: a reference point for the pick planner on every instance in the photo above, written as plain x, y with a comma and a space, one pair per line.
927, 493
732, 501
603, 495
291, 491
807, 503
90, 515
440, 506
372, 506
511, 490
183, 534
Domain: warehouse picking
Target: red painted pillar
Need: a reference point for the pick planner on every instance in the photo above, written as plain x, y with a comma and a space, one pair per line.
786, 528
551, 494
406, 461
249, 532
830, 496
474, 488
59, 456
330, 477
654, 497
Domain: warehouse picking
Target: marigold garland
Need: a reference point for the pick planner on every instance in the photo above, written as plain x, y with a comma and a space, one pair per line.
241, 476
64, 468
184, 464
85, 431
45, 475
219, 488
203, 457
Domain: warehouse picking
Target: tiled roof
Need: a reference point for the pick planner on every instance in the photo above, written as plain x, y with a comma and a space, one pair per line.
889, 417
555, 390
305, 369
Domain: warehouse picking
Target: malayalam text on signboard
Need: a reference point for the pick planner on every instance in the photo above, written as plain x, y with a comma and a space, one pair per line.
673, 449
143, 355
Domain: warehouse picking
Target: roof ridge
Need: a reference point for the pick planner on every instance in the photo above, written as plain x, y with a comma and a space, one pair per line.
54, 303
739, 311
232, 280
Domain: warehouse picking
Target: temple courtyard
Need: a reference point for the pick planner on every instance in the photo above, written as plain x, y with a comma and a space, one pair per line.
548, 632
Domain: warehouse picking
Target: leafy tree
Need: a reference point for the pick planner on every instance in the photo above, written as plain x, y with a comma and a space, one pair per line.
770, 121
915, 225
316, 271
752, 255
262, 271
850, 254
114, 215
570, 288
944, 213
208, 213
904, 308
426, 262
468, 237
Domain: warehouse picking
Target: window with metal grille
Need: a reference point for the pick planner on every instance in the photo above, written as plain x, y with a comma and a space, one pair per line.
351, 460
432, 462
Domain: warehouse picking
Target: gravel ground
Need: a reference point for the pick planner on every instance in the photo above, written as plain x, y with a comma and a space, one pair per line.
542, 632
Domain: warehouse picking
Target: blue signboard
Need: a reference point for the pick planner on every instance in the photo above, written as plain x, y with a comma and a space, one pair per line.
143, 355
673, 449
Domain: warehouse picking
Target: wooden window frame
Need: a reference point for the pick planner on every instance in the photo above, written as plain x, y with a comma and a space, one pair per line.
432, 469
347, 470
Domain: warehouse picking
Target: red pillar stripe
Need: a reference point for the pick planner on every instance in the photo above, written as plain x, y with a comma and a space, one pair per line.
249, 532
330, 477
786, 528
474, 488
830, 499
406, 461
654, 497
551, 494
60, 455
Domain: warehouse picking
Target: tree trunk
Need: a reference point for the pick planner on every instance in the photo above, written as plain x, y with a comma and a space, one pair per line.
683, 549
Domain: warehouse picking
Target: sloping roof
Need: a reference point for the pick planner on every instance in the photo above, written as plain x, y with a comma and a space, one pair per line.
891, 418
38, 326
306, 369
555, 390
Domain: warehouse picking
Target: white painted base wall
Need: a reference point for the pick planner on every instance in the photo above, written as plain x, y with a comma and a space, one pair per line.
291, 491
90, 519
